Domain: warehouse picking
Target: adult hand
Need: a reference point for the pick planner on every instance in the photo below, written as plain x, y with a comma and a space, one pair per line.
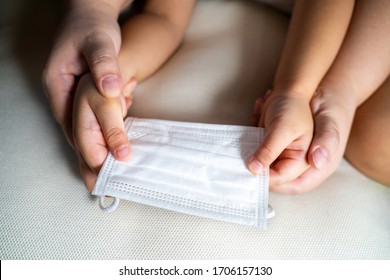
89, 41
333, 115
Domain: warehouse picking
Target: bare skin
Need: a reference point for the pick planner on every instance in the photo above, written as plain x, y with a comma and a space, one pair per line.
93, 122
360, 78
330, 67
148, 40
353, 84
368, 147
89, 40
316, 32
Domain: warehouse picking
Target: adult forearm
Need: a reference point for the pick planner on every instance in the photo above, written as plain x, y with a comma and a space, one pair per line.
316, 32
363, 62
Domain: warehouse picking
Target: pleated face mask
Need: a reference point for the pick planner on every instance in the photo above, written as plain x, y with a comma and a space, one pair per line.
192, 168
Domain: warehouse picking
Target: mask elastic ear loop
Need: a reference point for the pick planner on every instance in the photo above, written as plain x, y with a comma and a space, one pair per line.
110, 208
271, 212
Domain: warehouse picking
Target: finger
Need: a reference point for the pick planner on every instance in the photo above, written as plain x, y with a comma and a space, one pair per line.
109, 114
308, 181
325, 142
257, 108
275, 141
323, 162
88, 137
263, 104
102, 59
129, 88
257, 113
289, 166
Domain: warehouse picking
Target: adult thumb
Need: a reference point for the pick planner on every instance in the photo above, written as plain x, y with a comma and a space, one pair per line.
325, 143
102, 59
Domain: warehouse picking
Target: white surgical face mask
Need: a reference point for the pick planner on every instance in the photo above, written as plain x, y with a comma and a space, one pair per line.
193, 168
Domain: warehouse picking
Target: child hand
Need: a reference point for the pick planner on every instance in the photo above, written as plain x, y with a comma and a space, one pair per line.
333, 115
288, 124
97, 129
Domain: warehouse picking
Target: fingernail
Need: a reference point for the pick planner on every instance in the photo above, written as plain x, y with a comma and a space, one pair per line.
255, 166
320, 156
122, 152
111, 85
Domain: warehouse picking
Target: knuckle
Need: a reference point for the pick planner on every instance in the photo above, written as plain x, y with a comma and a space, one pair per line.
266, 155
114, 136
101, 60
98, 51
330, 135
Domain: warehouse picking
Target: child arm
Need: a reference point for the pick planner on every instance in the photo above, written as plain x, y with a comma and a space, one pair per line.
152, 36
315, 35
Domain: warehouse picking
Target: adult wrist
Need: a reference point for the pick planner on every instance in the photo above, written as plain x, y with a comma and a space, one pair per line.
339, 90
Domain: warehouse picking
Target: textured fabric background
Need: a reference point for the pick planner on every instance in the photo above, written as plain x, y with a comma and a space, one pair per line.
227, 60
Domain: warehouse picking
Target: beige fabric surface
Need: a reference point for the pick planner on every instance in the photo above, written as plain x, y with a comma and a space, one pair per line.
227, 60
